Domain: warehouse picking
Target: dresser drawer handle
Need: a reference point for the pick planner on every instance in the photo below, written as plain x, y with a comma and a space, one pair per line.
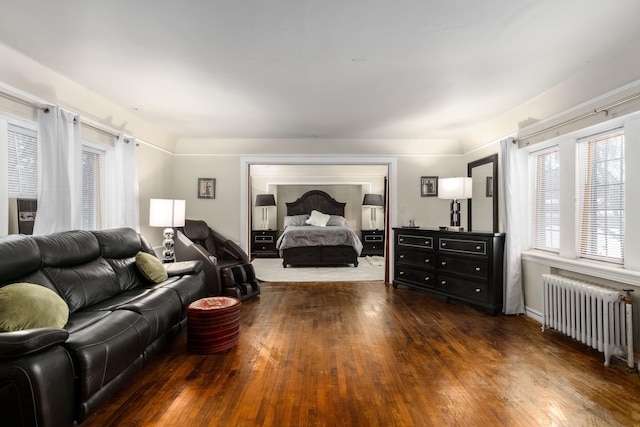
478, 248
426, 261
478, 290
401, 256
426, 279
443, 244
444, 282
401, 239
402, 273
426, 243
477, 268
444, 263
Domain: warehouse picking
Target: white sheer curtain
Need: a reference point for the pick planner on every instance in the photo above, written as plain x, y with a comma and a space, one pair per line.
122, 185
513, 191
59, 171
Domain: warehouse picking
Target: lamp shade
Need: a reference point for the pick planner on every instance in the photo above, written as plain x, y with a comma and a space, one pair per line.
372, 200
166, 212
265, 200
455, 188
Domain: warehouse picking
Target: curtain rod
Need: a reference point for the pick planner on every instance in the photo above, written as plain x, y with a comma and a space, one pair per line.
42, 105
584, 116
102, 129
23, 101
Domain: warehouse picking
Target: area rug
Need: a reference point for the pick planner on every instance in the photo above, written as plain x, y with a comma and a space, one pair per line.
271, 270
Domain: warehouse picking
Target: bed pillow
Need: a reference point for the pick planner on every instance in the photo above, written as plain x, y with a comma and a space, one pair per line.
295, 220
27, 306
151, 267
337, 220
318, 219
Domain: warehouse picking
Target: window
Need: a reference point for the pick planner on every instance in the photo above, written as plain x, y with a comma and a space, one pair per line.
545, 230
600, 196
92, 216
23, 162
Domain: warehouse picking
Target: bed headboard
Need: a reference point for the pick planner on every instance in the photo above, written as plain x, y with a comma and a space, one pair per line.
318, 200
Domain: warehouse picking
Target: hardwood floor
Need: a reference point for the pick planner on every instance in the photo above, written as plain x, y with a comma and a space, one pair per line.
364, 354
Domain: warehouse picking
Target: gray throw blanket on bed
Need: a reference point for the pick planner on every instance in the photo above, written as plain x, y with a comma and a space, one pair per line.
310, 235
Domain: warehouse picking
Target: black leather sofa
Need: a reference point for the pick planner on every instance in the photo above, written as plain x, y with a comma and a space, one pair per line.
117, 321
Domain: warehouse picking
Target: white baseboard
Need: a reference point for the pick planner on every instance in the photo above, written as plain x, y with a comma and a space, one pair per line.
533, 314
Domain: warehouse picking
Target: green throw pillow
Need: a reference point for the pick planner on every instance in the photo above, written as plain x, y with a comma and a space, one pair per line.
27, 306
151, 267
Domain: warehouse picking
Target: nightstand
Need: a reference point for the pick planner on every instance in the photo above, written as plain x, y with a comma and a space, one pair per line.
263, 243
372, 242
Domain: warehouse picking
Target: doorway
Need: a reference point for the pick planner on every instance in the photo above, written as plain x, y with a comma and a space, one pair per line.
379, 165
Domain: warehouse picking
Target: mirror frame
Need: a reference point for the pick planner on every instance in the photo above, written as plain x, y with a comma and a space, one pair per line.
485, 160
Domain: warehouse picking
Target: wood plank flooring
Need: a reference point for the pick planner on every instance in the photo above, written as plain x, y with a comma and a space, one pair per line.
364, 354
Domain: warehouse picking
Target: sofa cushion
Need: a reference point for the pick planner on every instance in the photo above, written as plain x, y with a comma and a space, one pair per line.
151, 267
68, 248
84, 285
106, 348
120, 242
160, 308
27, 306
14, 267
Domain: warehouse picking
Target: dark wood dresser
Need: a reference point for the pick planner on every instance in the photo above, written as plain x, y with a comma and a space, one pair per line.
466, 266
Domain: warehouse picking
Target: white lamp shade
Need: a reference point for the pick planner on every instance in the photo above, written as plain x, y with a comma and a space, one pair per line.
166, 213
455, 188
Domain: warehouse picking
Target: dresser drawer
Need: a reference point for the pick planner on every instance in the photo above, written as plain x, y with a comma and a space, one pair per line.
477, 291
373, 238
262, 239
416, 258
412, 241
421, 278
473, 268
476, 247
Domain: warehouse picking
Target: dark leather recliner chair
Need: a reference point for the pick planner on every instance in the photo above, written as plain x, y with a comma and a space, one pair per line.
227, 267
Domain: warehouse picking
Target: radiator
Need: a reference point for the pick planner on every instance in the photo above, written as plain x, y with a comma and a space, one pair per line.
597, 316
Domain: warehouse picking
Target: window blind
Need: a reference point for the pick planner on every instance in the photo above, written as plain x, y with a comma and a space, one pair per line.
92, 214
600, 193
23, 162
545, 230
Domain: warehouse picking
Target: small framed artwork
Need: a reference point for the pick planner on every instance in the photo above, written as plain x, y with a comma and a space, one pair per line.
429, 186
489, 186
206, 188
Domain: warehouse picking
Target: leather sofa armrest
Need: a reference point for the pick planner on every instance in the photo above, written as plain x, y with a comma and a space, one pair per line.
21, 343
180, 268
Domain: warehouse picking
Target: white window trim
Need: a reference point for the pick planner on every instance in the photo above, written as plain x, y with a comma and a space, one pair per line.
604, 270
567, 257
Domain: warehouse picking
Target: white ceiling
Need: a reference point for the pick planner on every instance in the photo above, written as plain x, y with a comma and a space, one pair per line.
313, 68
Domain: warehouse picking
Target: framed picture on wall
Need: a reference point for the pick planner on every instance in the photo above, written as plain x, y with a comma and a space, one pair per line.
429, 186
206, 188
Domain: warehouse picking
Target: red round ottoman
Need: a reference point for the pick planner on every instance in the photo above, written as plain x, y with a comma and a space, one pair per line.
213, 324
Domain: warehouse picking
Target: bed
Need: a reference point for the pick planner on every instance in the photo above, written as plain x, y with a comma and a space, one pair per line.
305, 245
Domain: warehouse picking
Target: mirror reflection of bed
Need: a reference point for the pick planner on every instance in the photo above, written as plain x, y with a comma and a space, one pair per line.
317, 244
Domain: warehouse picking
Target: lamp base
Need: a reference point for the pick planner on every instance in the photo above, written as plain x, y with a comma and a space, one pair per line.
168, 254
455, 213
